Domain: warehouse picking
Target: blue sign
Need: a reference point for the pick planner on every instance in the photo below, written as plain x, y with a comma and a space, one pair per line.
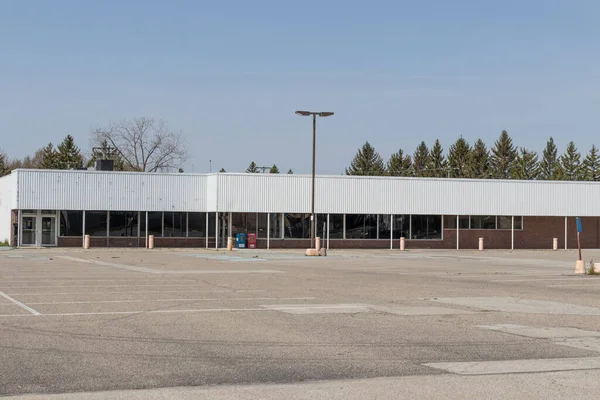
579, 226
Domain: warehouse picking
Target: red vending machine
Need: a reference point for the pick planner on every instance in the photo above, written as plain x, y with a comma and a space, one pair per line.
252, 240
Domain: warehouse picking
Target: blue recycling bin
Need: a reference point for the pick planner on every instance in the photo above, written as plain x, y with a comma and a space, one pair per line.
240, 241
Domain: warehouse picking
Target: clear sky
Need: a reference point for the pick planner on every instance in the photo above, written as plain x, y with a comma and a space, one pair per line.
229, 74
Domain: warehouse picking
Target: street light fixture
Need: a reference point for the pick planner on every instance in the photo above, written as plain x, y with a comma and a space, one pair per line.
312, 208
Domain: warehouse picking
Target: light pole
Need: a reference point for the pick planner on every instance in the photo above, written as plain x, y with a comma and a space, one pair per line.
314, 140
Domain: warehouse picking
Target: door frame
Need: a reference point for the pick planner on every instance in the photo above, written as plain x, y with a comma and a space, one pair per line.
38, 215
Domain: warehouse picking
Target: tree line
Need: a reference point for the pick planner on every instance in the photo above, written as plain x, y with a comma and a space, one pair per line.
463, 160
255, 169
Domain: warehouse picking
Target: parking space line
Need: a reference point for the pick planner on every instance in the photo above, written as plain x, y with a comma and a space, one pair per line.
202, 310
140, 291
169, 300
18, 303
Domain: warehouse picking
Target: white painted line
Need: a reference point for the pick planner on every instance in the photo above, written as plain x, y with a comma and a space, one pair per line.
517, 366
170, 300
519, 305
202, 310
541, 333
590, 283
97, 286
140, 291
540, 279
18, 303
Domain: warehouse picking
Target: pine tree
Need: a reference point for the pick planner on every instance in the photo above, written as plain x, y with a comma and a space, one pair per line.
503, 155
252, 168
399, 164
525, 166
570, 162
105, 152
69, 156
3, 164
478, 166
290, 172
459, 156
437, 165
421, 160
274, 169
222, 170
549, 165
366, 162
49, 158
591, 165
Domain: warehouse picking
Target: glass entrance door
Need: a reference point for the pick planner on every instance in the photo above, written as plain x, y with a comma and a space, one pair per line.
29, 231
49, 231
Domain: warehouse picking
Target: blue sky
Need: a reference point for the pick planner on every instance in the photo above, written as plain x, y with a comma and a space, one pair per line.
229, 74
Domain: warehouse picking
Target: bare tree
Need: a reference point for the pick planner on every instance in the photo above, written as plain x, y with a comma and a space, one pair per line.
145, 144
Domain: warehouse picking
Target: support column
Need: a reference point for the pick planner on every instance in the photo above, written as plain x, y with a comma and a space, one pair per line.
230, 224
20, 226
458, 232
206, 232
566, 245
108, 229
268, 230
327, 231
344, 226
392, 232
217, 230
147, 229
83, 231
512, 234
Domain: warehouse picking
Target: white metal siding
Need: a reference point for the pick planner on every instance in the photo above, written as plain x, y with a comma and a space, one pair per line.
7, 203
95, 190
114, 191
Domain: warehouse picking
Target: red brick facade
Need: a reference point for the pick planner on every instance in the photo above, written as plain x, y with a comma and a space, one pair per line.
537, 233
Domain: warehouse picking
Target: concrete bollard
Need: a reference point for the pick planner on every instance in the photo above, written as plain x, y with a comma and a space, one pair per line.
555, 244
402, 244
86, 242
318, 243
151, 241
229, 243
579, 267
480, 244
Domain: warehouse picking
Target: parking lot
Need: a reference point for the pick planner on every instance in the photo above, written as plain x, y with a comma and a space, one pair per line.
74, 321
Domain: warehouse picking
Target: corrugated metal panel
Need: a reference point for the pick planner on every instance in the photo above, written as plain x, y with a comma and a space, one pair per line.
94, 190
114, 191
8, 194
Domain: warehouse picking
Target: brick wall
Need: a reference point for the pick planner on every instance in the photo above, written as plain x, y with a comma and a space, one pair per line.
14, 218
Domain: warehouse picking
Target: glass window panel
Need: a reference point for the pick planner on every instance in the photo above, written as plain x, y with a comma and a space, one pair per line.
385, 226
123, 223
336, 226
95, 223
244, 223
505, 222
450, 222
401, 226
71, 223
155, 223
197, 224
321, 228
297, 226
464, 222
426, 226
175, 224
483, 222
142, 222
361, 226
518, 222
212, 218
48, 211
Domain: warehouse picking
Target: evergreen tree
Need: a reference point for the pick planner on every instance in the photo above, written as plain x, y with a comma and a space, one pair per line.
290, 172
105, 152
399, 164
503, 156
549, 165
252, 168
525, 166
421, 160
180, 170
222, 170
478, 166
3, 164
366, 162
69, 155
274, 169
591, 165
570, 162
459, 157
437, 165
49, 158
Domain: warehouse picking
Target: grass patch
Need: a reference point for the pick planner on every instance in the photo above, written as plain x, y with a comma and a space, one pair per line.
4, 244
591, 270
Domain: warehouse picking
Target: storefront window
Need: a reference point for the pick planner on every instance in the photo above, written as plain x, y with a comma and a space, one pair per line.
483, 222
401, 226
297, 226
426, 227
71, 223
95, 223
175, 224
155, 223
361, 226
244, 223
123, 223
384, 227
197, 224
336, 226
